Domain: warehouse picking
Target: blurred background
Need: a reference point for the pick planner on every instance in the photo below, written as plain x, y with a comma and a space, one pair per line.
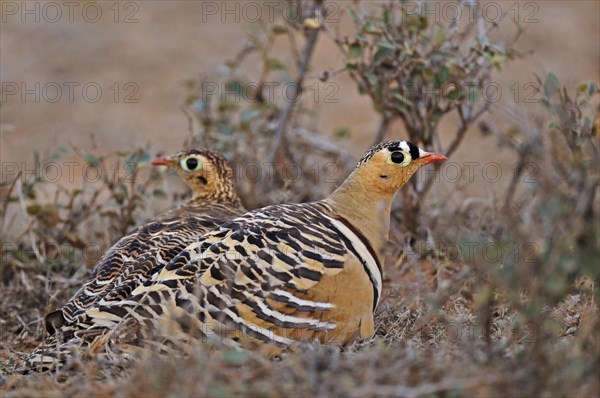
141, 54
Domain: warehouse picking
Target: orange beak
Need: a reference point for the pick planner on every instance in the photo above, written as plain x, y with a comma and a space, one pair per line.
161, 161
432, 158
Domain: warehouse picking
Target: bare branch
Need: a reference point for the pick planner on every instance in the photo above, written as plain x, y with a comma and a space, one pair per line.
384, 125
279, 136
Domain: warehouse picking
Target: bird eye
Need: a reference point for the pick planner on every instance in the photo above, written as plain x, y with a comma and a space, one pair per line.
397, 157
191, 163
400, 158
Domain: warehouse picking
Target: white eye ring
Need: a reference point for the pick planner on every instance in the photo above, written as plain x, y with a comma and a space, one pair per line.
403, 160
191, 163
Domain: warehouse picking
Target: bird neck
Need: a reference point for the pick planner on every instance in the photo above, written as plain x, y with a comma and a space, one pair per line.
367, 210
208, 200
221, 193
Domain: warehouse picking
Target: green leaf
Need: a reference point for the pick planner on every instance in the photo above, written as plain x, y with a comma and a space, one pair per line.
457, 70
372, 79
144, 157
498, 48
341, 133
497, 59
159, 193
235, 357
33, 209
386, 44
402, 98
56, 155
453, 94
438, 34
443, 75
428, 74
545, 103
293, 14
415, 23
354, 16
354, 50
386, 17
226, 106
371, 29
482, 41
278, 29
382, 54
231, 64
275, 64
122, 188
551, 85
131, 166
92, 160
582, 88
472, 95
249, 114
408, 49
235, 86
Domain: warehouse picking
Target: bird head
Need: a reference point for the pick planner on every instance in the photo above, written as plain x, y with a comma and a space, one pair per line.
386, 167
206, 172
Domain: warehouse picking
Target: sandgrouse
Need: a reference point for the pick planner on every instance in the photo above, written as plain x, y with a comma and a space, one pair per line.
141, 253
283, 273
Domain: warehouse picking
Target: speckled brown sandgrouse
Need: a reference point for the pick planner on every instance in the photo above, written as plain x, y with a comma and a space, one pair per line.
141, 253
283, 273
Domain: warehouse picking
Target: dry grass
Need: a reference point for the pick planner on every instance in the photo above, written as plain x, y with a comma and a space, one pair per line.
429, 341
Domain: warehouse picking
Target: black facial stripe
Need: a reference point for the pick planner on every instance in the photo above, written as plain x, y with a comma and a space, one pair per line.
414, 150
390, 146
